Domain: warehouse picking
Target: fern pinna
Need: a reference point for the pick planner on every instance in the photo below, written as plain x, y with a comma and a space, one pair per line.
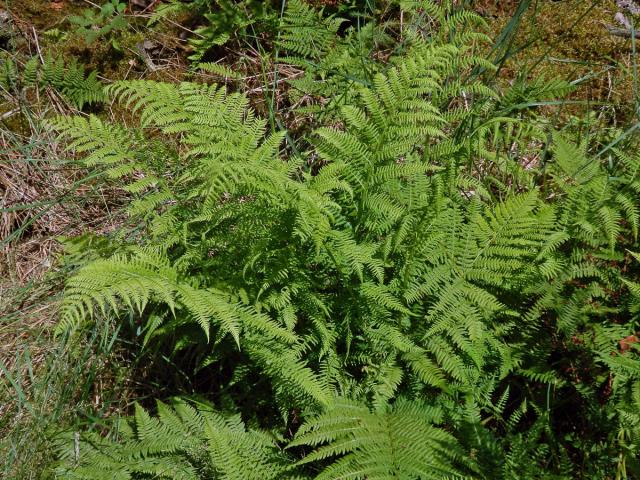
377, 285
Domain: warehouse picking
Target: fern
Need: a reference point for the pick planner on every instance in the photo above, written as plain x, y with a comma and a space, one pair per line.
182, 442
400, 442
306, 32
68, 78
444, 285
399, 280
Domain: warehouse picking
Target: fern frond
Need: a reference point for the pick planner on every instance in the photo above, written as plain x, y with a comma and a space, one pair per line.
395, 442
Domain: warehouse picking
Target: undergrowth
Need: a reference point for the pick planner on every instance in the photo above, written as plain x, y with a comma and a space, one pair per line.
381, 262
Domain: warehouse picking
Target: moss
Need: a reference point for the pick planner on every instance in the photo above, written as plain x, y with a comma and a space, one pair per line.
44, 15
572, 40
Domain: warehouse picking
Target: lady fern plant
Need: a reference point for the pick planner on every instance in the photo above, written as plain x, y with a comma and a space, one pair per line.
383, 288
354, 222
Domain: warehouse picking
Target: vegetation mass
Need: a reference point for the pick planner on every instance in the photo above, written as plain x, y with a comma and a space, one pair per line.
330, 240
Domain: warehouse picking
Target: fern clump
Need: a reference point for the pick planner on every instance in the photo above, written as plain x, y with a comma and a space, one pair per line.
407, 296
182, 442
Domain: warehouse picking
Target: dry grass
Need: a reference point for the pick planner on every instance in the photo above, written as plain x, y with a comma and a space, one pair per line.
43, 195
